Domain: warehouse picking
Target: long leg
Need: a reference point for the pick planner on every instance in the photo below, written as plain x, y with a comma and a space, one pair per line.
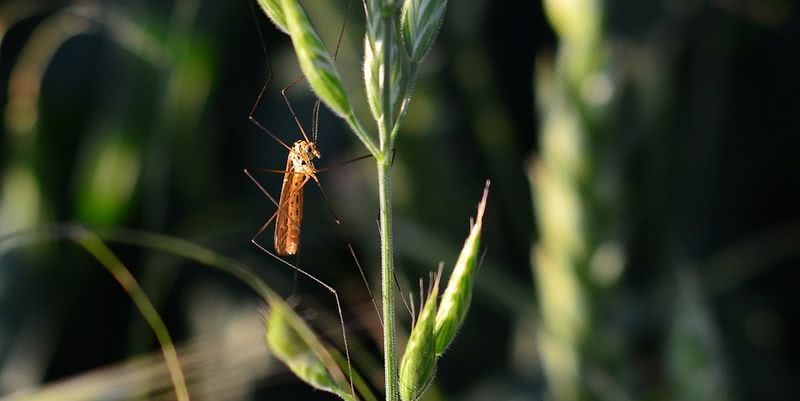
274, 215
315, 112
257, 123
339, 164
335, 165
399, 288
349, 247
261, 187
254, 240
335, 295
268, 71
265, 192
324, 169
336, 219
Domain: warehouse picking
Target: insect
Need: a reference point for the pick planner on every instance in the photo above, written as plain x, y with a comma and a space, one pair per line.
287, 226
299, 170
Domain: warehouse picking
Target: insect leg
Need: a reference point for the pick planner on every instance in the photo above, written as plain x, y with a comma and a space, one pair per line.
349, 247
335, 165
399, 288
268, 71
254, 240
258, 184
326, 286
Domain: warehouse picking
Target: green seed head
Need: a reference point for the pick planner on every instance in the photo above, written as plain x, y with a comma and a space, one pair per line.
420, 25
458, 294
373, 77
419, 360
295, 344
274, 11
315, 61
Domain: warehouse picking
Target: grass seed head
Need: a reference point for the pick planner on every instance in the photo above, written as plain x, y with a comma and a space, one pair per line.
294, 343
418, 366
420, 24
458, 294
274, 11
315, 60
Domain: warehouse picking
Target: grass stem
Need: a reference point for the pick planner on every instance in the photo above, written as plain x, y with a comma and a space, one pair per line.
387, 273
384, 165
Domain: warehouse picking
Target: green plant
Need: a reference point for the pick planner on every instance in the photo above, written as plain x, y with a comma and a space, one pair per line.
398, 35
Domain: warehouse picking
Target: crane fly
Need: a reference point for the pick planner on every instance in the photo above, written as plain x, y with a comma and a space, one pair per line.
299, 169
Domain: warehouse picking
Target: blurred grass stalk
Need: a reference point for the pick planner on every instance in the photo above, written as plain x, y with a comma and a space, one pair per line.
224, 366
95, 246
21, 199
566, 180
579, 196
217, 368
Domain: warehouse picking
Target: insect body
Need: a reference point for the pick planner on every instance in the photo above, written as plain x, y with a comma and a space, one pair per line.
299, 169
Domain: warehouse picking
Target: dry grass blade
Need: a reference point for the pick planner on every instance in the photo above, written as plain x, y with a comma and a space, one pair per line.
221, 367
97, 248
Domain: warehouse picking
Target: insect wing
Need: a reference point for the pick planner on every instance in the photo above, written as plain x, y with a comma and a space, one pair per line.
290, 212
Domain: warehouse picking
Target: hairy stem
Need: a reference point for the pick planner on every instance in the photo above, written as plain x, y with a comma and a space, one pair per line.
384, 164
387, 272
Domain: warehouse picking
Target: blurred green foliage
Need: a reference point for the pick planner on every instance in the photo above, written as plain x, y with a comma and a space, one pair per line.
135, 114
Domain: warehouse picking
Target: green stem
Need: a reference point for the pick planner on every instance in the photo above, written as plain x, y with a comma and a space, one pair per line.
385, 199
362, 135
387, 272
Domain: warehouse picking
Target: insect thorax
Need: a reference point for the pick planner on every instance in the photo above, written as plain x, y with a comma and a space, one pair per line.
302, 156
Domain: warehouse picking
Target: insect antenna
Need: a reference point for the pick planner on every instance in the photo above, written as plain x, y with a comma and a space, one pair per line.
291, 109
315, 110
315, 120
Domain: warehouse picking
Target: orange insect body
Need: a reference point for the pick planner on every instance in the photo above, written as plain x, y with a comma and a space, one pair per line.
299, 169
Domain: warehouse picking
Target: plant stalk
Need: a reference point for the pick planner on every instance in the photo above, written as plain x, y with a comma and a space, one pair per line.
387, 273
384, 164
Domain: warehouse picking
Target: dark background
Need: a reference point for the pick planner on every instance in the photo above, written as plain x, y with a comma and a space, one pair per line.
141, 122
